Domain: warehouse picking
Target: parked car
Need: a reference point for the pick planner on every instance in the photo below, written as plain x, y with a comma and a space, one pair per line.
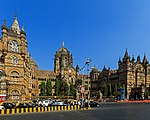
58, 103
46, 103
1, 107
21, 105
8, 105
93, 104
34, 105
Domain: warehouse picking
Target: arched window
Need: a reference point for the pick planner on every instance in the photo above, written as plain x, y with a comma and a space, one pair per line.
2, 59
15, 74
14, 60
14, 46
15, 94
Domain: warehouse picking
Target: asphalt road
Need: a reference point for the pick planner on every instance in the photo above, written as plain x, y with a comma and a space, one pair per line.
114, 111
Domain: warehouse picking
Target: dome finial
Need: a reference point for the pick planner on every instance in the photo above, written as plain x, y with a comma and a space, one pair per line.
22, 28
63, 44
15, 14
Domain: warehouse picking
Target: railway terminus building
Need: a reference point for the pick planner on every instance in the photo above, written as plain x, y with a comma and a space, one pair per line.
20, 77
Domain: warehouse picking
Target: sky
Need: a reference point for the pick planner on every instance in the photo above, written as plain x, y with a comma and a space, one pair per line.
97, 29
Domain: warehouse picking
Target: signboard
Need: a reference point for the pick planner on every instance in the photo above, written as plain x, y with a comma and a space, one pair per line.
2, 97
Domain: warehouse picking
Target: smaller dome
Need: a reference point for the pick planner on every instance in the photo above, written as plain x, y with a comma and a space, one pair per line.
95, 70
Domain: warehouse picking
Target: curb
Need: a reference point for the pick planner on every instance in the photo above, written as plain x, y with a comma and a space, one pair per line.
41, 109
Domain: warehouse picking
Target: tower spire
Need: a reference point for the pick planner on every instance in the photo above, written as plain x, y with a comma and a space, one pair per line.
126, 56
15, 25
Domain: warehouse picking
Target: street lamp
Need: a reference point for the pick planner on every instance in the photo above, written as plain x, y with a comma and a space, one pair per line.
82, 88
88, 71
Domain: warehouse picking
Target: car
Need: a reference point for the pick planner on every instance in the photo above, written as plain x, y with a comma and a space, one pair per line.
1, 107
58, 103
8, 105
21, 105
46, 103
93, 104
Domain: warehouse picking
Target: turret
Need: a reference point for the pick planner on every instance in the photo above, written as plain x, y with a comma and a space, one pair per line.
126, 57
77, 68
23, 42
15, 26
4, 37
119, 61
138, 59
4, 26
145, 61
133, 59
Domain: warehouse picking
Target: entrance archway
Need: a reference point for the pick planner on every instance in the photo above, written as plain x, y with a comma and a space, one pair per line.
15, 95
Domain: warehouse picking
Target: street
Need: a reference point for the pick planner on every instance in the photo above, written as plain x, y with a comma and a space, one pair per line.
113, 111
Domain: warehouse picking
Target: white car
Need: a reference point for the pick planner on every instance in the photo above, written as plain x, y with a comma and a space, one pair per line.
1, 107
46, 103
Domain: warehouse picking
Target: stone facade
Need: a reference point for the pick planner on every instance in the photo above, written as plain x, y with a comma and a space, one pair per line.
18, 70
132, 75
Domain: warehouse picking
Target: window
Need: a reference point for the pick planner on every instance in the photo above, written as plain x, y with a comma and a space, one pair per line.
14, 60
14, 75
14, 46
2, 59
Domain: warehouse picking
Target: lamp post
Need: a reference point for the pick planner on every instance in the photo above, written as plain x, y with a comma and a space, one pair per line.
88, 71
82, 88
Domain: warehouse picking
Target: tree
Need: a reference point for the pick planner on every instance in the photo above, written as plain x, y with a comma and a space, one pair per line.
117, 93
49, 87
106, 90
43, 89
72, 89
57, 86
109, 90
66, 88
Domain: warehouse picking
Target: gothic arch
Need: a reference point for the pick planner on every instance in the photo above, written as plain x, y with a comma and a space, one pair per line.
15, 94
14, 74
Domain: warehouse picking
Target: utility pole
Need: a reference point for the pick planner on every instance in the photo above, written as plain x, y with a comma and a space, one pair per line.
88, 71
82, 88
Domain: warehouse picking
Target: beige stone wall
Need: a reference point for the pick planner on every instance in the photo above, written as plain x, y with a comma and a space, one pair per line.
19, 76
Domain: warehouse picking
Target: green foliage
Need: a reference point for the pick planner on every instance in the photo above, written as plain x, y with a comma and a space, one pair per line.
109, 90
66, 88
106, 90
117, 93
63, 90
57, 86
43, 89
49, 87
72, 89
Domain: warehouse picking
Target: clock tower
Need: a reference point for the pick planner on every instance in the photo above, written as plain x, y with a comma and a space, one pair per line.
63, 65
16, 64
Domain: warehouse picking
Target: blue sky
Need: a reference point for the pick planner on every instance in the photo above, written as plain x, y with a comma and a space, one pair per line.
98, 29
